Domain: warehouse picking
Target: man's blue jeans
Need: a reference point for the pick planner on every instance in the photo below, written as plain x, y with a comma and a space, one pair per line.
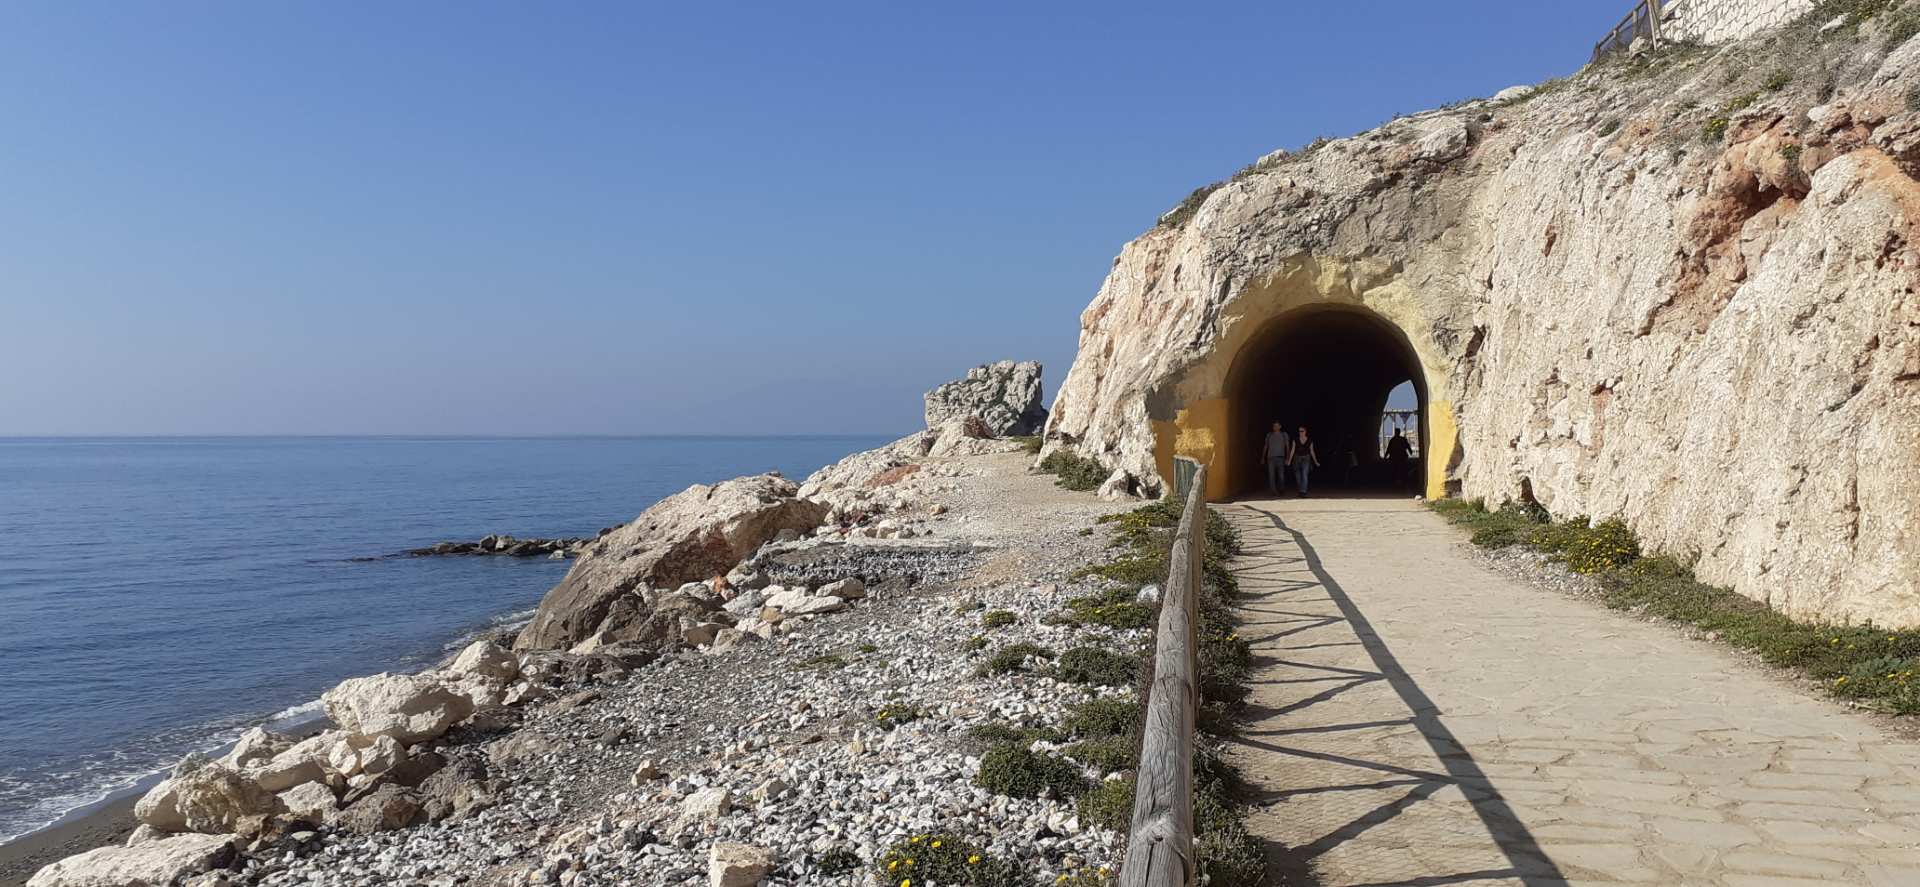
1300, 470
1276, 476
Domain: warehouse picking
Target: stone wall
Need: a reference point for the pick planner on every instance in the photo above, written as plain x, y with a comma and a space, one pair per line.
1718, 21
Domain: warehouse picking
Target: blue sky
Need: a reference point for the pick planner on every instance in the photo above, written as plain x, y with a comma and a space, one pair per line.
634, 218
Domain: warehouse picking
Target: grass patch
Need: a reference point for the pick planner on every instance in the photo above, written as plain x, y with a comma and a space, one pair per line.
894, 714
1029, 443
1778, 80
1875, 667
1113, 608
1014, 770
1188, 207
1012, 658
1107, 716
1107, 754
825, 660
868, 648
974, 644
1098, 667
1073, 471
998, 618
943, 858
1609, 128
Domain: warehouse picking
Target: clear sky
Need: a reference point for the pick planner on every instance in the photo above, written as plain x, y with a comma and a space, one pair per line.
611, 218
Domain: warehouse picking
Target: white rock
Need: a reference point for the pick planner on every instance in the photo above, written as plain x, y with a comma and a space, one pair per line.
738, 865
311, 802
205, 797
147, 864
486, 659
409, 708
845, 589
707, 804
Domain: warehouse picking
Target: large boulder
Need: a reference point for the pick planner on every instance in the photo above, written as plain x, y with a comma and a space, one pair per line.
206, 797
409, 708
146, 864
696, 534
485, 659
386, 808
1005, 395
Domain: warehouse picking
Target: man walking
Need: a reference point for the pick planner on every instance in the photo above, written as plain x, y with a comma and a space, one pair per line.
1273, 454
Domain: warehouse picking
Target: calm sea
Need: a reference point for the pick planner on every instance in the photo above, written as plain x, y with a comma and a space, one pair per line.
157, 596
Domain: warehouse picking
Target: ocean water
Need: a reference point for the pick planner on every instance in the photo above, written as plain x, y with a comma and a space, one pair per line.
158, 596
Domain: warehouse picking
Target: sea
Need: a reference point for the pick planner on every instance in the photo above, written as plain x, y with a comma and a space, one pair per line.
158, 596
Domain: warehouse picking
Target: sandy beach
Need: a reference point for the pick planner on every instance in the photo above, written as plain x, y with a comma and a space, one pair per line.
110, 823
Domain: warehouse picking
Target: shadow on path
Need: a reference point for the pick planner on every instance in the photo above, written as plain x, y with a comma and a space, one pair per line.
1526, 862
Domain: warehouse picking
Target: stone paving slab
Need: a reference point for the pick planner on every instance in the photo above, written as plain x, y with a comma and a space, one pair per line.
1417, 719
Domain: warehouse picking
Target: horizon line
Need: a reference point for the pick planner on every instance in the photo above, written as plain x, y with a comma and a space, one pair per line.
441, 436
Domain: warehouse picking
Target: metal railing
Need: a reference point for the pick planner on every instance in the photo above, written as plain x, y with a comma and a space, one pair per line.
1160, 840
1642, 22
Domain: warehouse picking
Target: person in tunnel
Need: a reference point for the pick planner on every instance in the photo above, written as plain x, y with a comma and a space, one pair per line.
1274, 454
1304, 459
1399, 453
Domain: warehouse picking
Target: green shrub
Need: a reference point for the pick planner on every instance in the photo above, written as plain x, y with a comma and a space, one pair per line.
1113, 608
943, 858
1030, 443
1777, 80
1714, 129
825, 660
968, 606
894, 714
1609, 128
1106, 716
998, 618
1185, 210
1014, 770
1107, 754
1013, 657
837, 861
974, 644
1074, 471
868, 648
1109, 805
1092, 665
1059, 619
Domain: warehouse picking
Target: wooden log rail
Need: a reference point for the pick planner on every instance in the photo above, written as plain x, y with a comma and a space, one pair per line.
1160, 841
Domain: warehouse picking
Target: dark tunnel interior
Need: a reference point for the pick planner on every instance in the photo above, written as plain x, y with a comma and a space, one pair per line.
1331, 370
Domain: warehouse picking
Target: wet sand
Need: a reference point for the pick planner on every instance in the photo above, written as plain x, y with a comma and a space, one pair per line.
108, 824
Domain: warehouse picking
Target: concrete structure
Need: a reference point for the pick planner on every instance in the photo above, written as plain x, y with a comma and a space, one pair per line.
1718, 21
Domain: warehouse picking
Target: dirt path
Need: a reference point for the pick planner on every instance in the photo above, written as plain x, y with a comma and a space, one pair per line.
1418, 719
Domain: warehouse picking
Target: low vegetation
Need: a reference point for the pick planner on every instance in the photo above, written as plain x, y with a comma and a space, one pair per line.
998, 618
1013, 657
894, 714
1073, 471
1876, 668
1030, 443
941, 858
1098, 667
1015, 770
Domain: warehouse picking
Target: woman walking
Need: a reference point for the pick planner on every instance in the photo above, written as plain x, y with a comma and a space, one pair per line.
1304, 459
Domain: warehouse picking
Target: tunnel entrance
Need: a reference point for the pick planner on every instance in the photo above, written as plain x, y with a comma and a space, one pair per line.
1330, 368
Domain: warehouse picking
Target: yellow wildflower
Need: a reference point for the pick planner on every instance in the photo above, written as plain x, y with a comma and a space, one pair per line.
893, 865
936, 843
974, 859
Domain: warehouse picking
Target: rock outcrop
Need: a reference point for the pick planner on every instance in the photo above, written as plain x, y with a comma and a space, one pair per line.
699, 533
1005, 396
1672, 291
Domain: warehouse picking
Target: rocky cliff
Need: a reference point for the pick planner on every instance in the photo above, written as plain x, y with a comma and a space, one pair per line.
1677, 289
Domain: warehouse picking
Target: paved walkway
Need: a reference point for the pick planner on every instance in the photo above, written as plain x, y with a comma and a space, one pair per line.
1418, 719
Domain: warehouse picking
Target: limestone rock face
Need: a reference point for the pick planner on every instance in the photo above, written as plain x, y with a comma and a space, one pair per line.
147, 864
698, 533
1621, 298
1005, 396
407, 708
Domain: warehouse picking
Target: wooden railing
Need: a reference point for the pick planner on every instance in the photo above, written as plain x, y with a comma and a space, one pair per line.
1643, 21
1160, 842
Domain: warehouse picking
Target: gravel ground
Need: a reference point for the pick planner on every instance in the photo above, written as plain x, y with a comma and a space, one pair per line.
631, 776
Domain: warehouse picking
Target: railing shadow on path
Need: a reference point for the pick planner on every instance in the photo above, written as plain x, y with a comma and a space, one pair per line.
1526, 861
